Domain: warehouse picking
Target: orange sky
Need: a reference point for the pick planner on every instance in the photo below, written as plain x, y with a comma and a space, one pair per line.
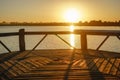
54, 10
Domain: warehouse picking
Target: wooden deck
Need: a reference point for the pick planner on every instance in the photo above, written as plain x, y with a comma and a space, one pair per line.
60, 65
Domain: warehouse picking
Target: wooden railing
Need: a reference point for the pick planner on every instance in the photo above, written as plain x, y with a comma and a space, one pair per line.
84, 45
83, 36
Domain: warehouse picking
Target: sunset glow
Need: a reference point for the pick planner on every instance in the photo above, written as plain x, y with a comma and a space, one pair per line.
72, 15
59, 10
72, 28
72, 40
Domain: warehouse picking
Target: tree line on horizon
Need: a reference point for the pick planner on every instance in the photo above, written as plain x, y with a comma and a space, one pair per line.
80, 23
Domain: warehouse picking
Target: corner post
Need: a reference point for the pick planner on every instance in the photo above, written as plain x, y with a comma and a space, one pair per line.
22, 40
83, 42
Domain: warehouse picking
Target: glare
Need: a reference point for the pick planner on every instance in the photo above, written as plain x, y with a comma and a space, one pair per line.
72, 40
72, 36
72, 15
72, 28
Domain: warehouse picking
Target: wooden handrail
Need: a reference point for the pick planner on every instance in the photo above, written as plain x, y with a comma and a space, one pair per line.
9, 34
87, 32
99, 32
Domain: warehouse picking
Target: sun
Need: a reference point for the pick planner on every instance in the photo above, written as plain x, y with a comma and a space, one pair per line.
71, 15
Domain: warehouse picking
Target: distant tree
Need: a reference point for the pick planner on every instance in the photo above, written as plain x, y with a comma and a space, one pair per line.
4, 22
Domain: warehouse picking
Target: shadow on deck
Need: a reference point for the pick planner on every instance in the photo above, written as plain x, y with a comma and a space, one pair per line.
60, 65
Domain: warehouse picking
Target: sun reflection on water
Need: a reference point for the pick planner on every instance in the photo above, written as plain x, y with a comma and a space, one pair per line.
72, 36
72, 28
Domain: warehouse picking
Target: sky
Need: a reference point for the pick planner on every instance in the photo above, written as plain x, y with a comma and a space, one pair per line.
55, 10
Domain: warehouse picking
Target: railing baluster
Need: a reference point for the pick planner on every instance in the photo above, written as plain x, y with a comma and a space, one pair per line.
5, 47
33, 47
102, 43
118, 37
65, 41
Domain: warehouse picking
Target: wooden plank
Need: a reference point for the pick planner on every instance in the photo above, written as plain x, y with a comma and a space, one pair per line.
103, 65
109, 66
82, 63
30, 65
4, 75
106, 66
62, 78
56, 73
11, 67
118, 71
116, 66
98, 64
19, 67
88, 62
77, 62
93, 63
38, 63
114, 69
34, 63
25, 66
8, 72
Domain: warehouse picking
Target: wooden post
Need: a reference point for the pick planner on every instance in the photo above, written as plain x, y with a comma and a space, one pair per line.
21, 40
83, 42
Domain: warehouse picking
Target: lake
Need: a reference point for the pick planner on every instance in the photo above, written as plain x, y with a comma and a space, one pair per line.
52, 42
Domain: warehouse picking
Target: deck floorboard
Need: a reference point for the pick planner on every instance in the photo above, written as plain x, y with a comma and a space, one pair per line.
57, 64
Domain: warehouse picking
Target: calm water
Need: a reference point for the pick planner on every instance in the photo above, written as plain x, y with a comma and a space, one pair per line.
52, 42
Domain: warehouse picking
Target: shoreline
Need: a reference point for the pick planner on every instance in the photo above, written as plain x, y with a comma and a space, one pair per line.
66, 25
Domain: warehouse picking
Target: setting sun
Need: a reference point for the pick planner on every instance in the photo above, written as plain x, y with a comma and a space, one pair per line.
72, 15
